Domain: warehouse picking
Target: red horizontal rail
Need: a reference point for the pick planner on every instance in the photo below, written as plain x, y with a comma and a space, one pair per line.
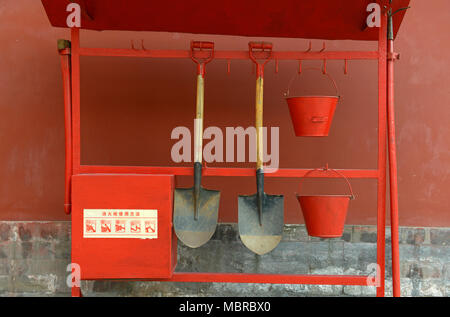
228, 55
221, 171
269, 278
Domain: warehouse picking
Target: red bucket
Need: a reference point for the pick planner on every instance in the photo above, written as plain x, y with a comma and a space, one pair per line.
325, 214
312, 115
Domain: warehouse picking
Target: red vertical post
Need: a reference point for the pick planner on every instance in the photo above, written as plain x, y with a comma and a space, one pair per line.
64, 52
75, 50
76, 292
381, 185
75, 35
393, 169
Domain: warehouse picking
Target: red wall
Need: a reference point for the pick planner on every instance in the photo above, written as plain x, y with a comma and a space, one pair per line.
130, 106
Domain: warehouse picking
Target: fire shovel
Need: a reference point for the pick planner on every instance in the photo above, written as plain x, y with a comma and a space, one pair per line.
261, 216
196, 209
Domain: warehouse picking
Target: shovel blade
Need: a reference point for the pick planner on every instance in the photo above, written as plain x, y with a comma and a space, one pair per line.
195, 233
261, 238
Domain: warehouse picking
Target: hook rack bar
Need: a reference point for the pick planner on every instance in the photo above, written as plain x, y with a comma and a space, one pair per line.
223, 171
229, 55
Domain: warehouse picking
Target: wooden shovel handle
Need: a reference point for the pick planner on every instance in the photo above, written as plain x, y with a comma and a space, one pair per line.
198, 123
259, 122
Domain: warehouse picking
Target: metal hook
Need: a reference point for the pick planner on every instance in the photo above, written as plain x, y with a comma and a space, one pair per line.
132, 45
309, 48
142, 44
228, 67
276, 66
324, 70
346, 67
299, 66
323, 47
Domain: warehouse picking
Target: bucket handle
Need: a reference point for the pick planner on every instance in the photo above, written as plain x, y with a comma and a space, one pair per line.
326, 169
286, 94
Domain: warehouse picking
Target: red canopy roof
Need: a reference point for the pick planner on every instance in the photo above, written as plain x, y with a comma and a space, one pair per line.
313, 19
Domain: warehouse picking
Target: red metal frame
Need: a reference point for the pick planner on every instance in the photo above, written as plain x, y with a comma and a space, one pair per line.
381, 186
392, 56
379, 174
65, 68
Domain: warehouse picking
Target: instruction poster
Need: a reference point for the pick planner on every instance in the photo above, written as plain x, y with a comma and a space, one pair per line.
120, 223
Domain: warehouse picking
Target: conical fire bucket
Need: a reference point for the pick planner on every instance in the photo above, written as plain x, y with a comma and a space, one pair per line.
325, 214
312, 115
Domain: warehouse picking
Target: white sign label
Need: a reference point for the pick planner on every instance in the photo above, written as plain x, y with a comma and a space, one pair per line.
120, 223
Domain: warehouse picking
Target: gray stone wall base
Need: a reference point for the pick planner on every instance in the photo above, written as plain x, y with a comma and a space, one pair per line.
34, 257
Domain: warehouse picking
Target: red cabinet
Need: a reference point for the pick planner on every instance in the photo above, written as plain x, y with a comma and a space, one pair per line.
122, 226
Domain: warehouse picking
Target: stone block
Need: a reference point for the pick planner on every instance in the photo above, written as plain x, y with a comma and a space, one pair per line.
294, 252
60, 270
412, 235
32, 267
5, 285
7, 250
5, 266
366, 234
62, 249
287, 290
325, 290
34, 283
387, 236
432, 288
359, 255
118, 288
34, 250
347, 235
226, 233
433, 253
6, 232
64, 231
447, 288
407, 288
440, 236
446, 271
295, 233
28, 231
318, 256
49, 231
360, 291
420, 270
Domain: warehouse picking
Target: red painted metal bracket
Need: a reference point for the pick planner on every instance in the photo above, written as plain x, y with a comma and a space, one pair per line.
393, 170
221, 171
381, 184
202, 53
270, 278
64, 52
